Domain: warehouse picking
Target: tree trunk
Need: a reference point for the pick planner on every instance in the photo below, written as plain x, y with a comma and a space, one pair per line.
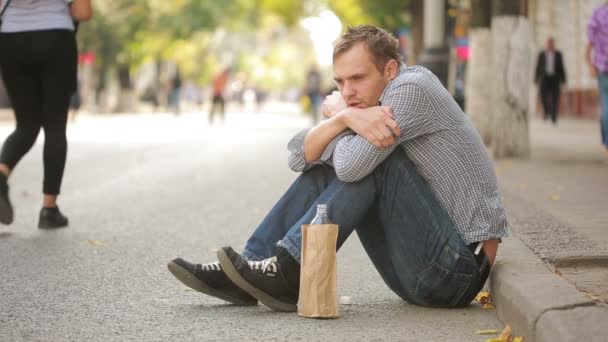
510, 80
416, 7
479, 72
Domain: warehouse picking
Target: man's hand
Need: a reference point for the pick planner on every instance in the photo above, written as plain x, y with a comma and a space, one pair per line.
374, 124
333, 104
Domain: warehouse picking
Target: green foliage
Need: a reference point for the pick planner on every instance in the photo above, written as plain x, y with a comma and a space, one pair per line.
196, 34
388, 14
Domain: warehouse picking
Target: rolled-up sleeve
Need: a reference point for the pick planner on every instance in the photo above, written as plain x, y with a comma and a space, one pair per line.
297, 159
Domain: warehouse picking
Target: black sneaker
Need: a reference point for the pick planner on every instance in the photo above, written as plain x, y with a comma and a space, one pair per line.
265, 280
6, 209
211, 280
52, 218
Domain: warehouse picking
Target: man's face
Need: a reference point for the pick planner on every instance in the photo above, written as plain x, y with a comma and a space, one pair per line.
358, 79
550, 44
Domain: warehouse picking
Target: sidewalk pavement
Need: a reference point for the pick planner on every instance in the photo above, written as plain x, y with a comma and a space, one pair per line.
550, 281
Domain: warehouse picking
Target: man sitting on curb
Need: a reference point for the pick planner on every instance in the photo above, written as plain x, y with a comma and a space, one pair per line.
397, 161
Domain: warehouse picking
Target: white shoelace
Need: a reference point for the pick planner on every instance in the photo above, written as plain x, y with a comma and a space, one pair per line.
214, 266
264, 264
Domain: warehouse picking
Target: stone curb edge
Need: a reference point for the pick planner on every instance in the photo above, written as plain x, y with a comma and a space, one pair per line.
540, 305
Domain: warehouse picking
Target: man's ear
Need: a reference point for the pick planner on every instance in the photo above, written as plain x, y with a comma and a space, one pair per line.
391, 69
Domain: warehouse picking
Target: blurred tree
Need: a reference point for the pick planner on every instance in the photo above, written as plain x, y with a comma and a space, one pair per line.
126, 34
388, 14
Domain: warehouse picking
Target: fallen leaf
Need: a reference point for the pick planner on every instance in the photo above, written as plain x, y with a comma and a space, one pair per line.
95, 242
494, 340
487, 332
518, 339
506, 334
558, 272
487, 306
591, 296
554, 197
484, 297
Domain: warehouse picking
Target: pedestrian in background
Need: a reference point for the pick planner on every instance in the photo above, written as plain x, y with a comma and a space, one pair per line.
313, 91
597, 58
175, 92
550, 75
218, 101
38, 65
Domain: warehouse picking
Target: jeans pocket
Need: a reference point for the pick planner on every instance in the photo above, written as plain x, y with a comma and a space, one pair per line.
437, 286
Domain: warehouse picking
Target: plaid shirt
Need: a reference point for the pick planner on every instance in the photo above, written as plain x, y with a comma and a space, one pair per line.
597, 31
440, 140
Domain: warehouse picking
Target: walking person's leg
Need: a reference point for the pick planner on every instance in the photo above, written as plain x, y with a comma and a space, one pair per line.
22, 83
222, 102
555, 97
603, 82
213, 108
544, 98
58, 62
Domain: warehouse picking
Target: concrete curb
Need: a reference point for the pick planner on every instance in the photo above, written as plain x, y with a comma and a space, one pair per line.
540, 305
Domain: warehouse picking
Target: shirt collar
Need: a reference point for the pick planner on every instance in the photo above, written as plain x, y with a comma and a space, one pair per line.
390, 82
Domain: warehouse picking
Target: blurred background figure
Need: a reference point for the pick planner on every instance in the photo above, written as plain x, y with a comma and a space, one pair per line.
550, 75
597, 59
313, 92
175, 85
218, 102
39, 62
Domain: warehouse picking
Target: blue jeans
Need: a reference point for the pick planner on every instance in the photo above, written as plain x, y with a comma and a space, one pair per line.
409, 237
603, 80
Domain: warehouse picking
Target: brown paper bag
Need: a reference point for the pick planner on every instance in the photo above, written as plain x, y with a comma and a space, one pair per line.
319, 272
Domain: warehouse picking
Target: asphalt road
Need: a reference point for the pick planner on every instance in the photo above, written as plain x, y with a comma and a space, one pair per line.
142, 189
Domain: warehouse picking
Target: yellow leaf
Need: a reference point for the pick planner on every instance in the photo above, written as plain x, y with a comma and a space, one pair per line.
518, 339
506, 334
485, 299
95, 242
494, 340
487, 332
483, 296
487, 306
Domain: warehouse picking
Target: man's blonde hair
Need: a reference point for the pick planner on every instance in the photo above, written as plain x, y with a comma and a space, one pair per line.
381, 44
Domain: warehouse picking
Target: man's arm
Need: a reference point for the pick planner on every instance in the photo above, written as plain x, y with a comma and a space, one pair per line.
355, 157
81, 10
320, 136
